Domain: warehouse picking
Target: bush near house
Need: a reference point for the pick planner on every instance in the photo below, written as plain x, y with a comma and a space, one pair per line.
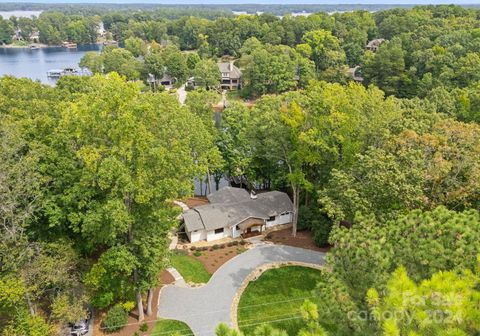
115, 319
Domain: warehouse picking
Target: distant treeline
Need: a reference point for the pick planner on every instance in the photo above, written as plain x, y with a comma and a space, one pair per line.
206, 11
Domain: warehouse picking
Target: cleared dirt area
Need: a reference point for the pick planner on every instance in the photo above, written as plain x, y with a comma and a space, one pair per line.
303, 239
132, 324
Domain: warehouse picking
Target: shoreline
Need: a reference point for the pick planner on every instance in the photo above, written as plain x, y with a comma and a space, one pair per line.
39, 46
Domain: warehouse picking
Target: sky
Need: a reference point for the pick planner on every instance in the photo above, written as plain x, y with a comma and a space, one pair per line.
235, 2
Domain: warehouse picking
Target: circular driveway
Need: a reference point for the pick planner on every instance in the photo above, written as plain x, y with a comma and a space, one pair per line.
203, 308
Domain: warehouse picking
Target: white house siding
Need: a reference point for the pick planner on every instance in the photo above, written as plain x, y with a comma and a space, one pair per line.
280, 219
236, 232
196, 236
212, 236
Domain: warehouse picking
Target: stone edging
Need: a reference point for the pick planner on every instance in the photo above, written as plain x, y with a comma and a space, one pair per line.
254, 275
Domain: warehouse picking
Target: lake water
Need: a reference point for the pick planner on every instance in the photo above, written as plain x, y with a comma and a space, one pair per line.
19, 13
34, 64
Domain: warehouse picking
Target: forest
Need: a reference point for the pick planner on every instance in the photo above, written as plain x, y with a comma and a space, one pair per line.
384, 171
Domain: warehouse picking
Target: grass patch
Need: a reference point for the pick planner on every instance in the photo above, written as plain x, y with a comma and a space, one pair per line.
234, 95
169, 327
277, 294
191, 269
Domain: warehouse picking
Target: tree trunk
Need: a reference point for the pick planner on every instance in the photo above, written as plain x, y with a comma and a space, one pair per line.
31, 308
141, 315
149, 301
209, 181
296, 194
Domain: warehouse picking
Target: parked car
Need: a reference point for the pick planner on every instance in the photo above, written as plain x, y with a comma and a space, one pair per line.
80, 328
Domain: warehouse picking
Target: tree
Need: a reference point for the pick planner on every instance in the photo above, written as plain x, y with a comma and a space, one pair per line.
207, 74
234, 140
423, 242
92, 61
136, 46
6, 31
279, 127
326, 52
386, 67
154, 64
270, 70
445, 304
122, 61
128, 178
175, 63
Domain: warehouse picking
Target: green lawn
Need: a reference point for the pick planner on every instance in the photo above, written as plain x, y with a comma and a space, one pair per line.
169, 327
277, 295
191, 269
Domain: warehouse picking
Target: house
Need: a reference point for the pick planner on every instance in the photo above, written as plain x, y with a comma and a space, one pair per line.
353, 73
233, 212
373, 45
231, 76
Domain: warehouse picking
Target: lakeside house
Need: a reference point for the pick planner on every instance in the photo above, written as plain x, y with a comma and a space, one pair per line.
233, 212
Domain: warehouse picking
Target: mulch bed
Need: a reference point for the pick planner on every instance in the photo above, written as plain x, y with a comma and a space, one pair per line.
133, 325
303, 239
213, 259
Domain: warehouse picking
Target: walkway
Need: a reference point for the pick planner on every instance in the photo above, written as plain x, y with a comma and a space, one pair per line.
203, 308
182, 94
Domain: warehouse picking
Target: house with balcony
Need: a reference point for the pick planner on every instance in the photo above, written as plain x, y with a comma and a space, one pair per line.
231, 76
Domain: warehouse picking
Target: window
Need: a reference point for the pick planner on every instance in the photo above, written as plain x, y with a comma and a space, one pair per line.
217, 231
271, 219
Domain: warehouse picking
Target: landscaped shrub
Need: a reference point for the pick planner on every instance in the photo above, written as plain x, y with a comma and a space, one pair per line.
222, 246
115, 319
197, 253
235, 243
215, 247
144, 327
230, 244
193, 248
204, 248
243, 242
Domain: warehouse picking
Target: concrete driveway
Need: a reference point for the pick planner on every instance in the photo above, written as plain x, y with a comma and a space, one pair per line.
203, 308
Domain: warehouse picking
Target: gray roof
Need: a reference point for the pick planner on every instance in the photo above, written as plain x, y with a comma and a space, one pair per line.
231, 69
192, 220
375, 42
230, 206
229, 195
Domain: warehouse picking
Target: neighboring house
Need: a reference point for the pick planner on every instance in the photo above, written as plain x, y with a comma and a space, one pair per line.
34, 37
167, 81
353, 73
231, 76
233, 212
373, 45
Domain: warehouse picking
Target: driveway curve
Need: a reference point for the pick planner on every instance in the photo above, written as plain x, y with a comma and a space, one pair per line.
203, 308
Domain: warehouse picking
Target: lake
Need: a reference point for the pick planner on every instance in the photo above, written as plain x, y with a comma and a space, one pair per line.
19, 13
34, 64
